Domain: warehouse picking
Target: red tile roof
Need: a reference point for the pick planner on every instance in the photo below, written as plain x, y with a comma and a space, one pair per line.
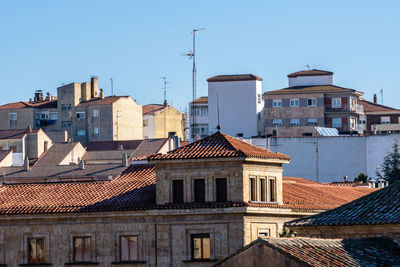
374, 107
219, 145
101, 101
22, 104
4, 153
379, 207
378, 251
200, 100
313, 72
234, 77
152, 108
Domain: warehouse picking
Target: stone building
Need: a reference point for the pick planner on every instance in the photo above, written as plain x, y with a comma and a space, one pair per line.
81, 110
192, 206
160, 120
311, 100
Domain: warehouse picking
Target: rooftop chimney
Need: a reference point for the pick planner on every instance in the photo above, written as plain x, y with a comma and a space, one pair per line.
48, 96
175, 139
26, 164
94, 86
82, 164
375, 99
165, 103
125, 161
28, 129
101, 93
38, 95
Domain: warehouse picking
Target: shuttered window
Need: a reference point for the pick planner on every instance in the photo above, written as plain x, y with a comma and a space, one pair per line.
221, 189
199, 190
177, 191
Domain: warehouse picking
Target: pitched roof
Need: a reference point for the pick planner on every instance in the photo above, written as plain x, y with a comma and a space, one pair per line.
312, 89
234, 77
374, 107
56, 153
219, 145
379, 207
14, 134
38, 104
377, 251
200, 100
132, 189
113, 145
148, 147
4, 153
313, 72
152, 108
101, 101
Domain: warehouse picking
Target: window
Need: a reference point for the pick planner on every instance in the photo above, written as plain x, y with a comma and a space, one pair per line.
259, 98
13, 149
96, 130
352, 123
177, 191
65, 124
336, 102
200, 246
263, 189
80, 132
44, 116
385, 120
54, 116
204, 111
36, 250
337, 122
221, 190
95, 113
145, 123
82, 249
80, 115
272, 190
264, 232
253, 189
277, 122
294, 122
294, 102
199, 190
311, 121
13, 116
129, 249
311, 102
276, 103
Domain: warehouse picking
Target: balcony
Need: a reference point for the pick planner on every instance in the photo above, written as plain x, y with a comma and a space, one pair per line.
386, 127
344, 108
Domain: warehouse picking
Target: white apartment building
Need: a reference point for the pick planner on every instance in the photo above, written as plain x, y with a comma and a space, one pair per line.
199, 126
235, 103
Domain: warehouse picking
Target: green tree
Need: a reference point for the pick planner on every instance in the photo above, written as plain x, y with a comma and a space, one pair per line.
390, 168
361, 178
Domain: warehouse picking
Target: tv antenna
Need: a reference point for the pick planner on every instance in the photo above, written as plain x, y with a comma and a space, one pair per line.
192, 56
165, 88
112, 86
308, 67
382, 95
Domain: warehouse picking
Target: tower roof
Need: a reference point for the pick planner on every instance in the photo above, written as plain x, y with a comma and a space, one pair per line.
234, 78
313, 72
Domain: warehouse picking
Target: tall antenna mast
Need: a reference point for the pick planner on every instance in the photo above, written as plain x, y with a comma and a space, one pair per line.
165, 88
382, 95
165, 105
219, 125
192, 55
112, 86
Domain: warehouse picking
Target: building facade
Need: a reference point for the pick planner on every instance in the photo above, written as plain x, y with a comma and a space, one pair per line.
198, 118
235, 104
160, 120
311, 100
192, 206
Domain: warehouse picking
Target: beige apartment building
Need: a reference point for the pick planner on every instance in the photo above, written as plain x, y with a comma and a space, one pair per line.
159, 120
311, 100
81, 110
193, 206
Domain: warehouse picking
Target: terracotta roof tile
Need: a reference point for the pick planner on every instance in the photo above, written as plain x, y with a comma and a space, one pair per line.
374, 107
234, 77
14, 134
200, 100
379, 207
313, 89
377, 251
152, 108
22, 104
101, 101
219, 145
4, 153
313, 72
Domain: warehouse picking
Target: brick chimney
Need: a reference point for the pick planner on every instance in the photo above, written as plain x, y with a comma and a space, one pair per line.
375, 99
94, 87
28, 129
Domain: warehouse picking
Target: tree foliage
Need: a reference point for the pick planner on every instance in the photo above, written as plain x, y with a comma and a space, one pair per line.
361, 178
390, 168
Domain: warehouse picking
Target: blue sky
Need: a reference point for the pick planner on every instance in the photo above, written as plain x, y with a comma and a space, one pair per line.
44, 44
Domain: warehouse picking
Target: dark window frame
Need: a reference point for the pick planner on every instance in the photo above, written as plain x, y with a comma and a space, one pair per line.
253, 188
263, 189
129, 256
176, 197
221, 189
201, 236
272, 189
74, 259
29, 250
199, 190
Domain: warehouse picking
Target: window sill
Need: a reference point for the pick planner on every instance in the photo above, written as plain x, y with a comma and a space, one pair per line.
34, 264
128, 262
81, 263
204, 260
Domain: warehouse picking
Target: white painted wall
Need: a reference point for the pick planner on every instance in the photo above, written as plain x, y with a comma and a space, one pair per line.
311, 80
338, 156
150, 130
238, 106
18, 159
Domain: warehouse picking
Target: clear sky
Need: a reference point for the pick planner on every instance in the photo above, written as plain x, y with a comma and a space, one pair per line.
44, 44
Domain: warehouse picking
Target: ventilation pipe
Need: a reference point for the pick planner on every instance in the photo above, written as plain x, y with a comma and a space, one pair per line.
26, 164
125, 161
375, 99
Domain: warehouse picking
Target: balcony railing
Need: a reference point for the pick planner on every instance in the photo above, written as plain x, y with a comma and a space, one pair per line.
344, 107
